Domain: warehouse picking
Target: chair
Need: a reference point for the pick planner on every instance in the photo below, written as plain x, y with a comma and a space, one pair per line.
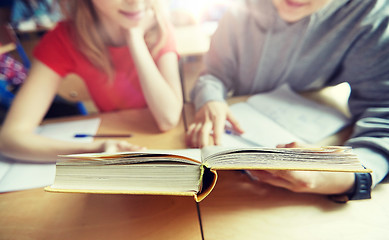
10, 42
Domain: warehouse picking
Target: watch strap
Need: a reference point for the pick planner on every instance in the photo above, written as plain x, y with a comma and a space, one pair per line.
362, 187
360, 190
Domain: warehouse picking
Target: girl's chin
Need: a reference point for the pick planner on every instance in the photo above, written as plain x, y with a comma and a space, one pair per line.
290, 19
290, 16
130, 24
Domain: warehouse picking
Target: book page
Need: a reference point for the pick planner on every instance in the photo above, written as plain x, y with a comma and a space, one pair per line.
16, 175
192, 153
190, 156
335, 159
304, 118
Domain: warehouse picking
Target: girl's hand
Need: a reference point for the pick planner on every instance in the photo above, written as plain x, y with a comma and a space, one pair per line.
306, 181
111, 146
210, 120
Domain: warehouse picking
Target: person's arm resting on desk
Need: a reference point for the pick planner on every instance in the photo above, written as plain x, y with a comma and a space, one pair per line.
365, 68
340, 186
18, 138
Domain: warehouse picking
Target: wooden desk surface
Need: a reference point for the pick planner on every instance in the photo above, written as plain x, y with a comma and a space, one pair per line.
36, 214
140, 124
238, 208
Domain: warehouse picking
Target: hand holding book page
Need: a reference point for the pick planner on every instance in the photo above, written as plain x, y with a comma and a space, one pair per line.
187, 172
282, 116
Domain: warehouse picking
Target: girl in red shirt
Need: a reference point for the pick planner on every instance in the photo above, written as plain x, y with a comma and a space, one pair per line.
125, 53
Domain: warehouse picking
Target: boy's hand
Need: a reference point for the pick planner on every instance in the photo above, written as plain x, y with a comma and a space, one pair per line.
210, 120
306, 181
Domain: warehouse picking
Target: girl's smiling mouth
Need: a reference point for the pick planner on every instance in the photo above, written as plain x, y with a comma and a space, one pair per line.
132, 15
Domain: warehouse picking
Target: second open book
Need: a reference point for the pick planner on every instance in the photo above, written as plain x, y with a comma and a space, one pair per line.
187, 172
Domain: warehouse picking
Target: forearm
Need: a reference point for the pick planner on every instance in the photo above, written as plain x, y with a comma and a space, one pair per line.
370, 141
35, 148
374, 160
160, 94
207, 88
366, 70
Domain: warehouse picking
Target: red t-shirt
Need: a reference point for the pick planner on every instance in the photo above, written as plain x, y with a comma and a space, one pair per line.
58, 52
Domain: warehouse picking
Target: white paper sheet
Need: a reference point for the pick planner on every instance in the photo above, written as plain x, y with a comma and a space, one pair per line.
302, 117
282, 116
15, 176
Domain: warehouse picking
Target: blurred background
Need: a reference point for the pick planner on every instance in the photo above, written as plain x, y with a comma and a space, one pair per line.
24, 22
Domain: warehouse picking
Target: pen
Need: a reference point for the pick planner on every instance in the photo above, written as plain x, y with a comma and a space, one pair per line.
83, 135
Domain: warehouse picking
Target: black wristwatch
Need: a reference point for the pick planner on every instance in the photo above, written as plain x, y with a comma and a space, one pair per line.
361, 189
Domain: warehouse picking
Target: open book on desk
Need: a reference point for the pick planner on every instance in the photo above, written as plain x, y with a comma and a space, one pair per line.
187, 172
283, 116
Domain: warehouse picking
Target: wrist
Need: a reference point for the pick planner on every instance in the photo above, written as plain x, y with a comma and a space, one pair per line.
96, 146
136, 43
360, 190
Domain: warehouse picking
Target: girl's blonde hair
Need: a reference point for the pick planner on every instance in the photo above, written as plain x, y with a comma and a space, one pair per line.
86, 31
